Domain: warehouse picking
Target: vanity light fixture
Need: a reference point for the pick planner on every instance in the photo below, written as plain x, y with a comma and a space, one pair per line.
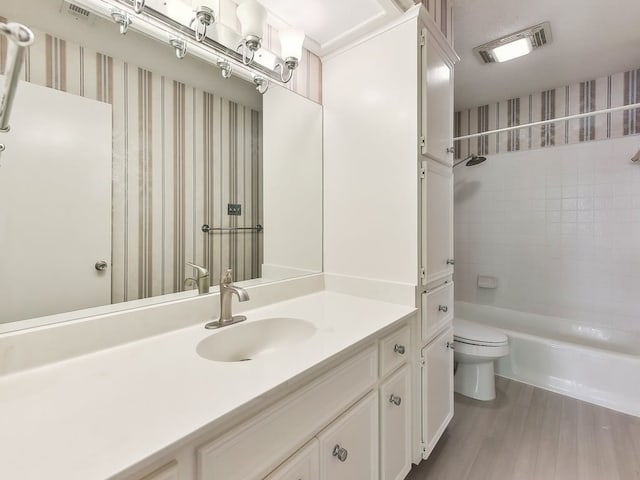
253, 17
516, 44
180, 46
262, 84
291, 40
205, 17
122, 19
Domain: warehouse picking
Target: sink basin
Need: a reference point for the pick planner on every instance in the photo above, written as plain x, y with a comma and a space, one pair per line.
247, 341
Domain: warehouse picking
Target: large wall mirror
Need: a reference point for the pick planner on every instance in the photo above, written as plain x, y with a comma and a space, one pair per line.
120, 153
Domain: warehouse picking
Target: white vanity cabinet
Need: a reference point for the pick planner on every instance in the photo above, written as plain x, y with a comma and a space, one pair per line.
351, 421
349, 446
304, 465
395, 425
437, 389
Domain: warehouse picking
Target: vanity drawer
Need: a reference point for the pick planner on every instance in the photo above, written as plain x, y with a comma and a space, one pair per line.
437, 310
394, 350
255, 448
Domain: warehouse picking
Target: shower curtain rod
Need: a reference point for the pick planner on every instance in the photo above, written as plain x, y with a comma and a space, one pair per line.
553, 120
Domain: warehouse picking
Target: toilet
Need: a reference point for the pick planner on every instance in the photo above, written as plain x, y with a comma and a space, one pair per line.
476, 347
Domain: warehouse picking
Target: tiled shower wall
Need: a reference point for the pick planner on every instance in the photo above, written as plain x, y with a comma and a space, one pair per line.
554, 214
180, 155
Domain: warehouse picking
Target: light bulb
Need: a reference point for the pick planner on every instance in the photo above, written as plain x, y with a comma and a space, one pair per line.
253, 17
291, 40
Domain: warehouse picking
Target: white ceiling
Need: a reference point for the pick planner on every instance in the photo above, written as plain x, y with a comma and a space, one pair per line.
332, 24
590, 39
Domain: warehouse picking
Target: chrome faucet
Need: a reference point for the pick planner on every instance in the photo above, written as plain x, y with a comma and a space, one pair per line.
201, 280
227, 289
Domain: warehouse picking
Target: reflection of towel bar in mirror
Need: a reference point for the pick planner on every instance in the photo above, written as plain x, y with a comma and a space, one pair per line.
207, 229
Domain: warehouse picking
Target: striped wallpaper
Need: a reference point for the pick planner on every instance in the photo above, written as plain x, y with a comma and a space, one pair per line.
611, 91
180, 155
441, 12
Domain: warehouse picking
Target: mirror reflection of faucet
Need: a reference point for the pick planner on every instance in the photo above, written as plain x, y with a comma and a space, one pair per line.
201, 280
227, 290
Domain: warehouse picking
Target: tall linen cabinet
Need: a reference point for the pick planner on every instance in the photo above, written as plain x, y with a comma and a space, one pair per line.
388, 192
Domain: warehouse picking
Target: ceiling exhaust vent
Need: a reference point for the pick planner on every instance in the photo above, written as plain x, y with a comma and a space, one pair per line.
78, 12
516, 44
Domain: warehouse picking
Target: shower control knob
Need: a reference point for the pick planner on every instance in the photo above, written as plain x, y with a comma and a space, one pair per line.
395, 399
443, 308
451, 261
399, 349
340, 453
101, 266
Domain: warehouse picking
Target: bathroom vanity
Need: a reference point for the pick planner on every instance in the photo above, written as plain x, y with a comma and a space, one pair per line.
331, 400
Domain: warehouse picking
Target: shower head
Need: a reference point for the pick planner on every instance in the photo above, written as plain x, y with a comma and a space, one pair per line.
471, 161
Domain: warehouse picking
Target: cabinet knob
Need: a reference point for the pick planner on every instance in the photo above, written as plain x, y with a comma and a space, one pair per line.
451, 261
340, 452
443, 308
399, 349
450, 345
101, 266
451, 150
395, 399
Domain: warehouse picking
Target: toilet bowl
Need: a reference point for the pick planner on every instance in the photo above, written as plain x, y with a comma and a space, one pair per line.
476, 347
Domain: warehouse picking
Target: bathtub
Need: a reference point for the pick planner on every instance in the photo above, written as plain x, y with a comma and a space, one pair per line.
586, 362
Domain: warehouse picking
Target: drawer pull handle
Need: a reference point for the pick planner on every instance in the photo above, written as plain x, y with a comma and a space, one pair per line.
451, 261
395, 399
443, 308
399, 349
340, 452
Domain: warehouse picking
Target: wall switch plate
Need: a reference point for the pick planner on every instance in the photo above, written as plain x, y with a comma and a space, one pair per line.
234, 209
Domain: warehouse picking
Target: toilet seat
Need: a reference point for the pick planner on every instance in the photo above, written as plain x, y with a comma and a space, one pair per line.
472, 333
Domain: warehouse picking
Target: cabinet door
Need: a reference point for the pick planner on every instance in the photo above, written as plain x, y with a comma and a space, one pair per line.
395, 426
437, 389
168, 472
304, 465
437, 102
349, 446
437, 222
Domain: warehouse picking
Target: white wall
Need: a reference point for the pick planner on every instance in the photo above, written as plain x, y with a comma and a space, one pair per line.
370, 157
292, 179
559, 227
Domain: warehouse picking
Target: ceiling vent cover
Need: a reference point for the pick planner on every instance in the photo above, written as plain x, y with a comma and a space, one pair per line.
77, 11
530, 38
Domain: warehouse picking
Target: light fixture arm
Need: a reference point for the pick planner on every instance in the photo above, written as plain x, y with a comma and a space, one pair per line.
289, 64
138, 6
203, 19
122, 19
180, 46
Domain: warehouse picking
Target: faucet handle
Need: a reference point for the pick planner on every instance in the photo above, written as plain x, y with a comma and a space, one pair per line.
202, 271
227, 279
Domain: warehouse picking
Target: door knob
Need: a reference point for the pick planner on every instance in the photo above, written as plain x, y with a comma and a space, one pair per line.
443, 308
451, 261
399, 349
395, 399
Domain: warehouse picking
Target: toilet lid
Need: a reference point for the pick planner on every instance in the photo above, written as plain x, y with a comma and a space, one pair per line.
475, 333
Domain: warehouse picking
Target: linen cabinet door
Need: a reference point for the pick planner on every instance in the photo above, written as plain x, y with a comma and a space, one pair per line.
437, 247
304, 465
437, 389
437, 105
395, 425
349, 446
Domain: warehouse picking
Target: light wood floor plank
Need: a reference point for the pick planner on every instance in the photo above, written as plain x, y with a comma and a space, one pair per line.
532, 434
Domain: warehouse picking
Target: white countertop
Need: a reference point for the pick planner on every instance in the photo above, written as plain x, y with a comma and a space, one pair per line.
94, 416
